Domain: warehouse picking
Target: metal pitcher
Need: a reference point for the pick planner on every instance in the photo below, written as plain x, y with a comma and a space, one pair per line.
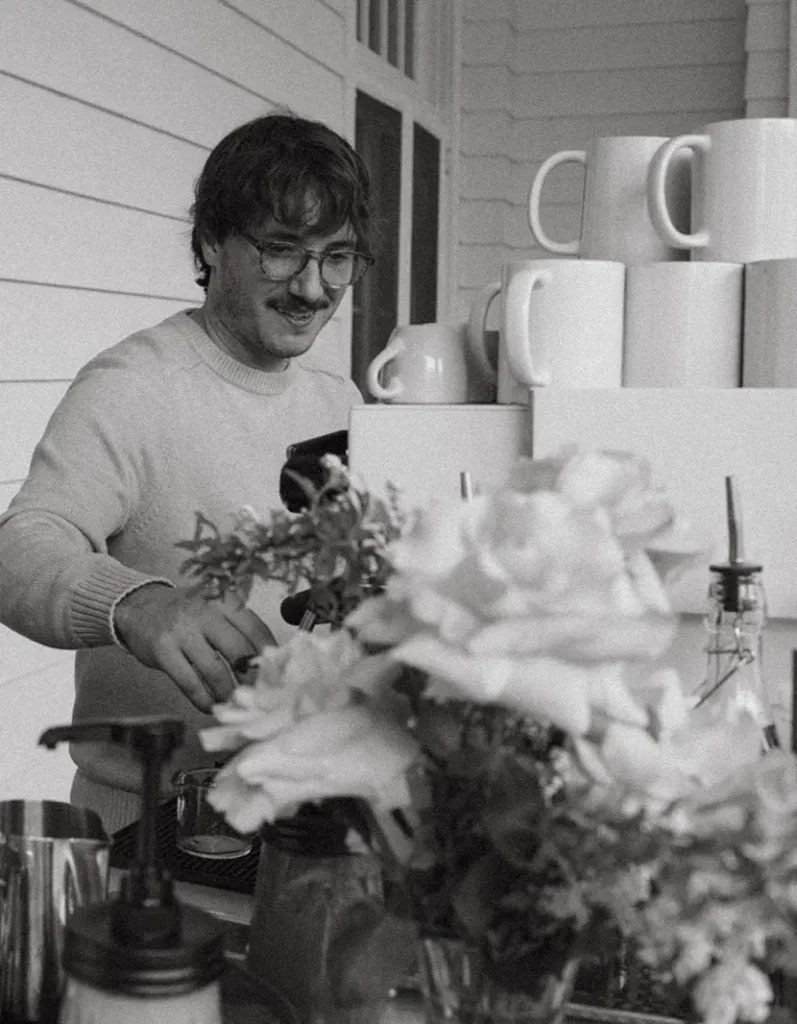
53, 858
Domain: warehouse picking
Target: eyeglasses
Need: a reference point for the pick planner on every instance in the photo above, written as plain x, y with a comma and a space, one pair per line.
339, 268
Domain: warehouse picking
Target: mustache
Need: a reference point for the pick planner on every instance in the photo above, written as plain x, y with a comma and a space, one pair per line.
299, 308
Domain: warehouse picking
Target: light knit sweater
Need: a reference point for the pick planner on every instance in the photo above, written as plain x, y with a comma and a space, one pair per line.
153, 430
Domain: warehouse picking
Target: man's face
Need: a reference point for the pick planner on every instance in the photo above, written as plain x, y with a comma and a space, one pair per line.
264, 322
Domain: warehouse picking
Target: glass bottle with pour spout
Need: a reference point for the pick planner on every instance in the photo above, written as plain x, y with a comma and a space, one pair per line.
735, 621
142, 957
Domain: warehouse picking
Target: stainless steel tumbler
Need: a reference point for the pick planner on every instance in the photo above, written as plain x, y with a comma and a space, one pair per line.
53, 858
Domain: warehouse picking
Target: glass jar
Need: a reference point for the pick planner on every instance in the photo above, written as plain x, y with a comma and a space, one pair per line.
317, 907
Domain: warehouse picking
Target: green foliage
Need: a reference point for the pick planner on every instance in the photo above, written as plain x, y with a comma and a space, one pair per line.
337, 547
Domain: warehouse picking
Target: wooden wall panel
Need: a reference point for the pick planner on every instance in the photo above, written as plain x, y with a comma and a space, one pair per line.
25, 409
622, 91
768, 25
70, 49
255, 45
19, 656
7, 492
67, 240
582, 13
79, 148
673, 45
767, 75
48, 333
31, 703
232, 36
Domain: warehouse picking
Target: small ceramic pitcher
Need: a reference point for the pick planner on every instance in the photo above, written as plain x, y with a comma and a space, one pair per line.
422, 364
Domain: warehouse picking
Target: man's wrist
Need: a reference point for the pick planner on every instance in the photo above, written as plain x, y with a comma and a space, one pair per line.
123, 603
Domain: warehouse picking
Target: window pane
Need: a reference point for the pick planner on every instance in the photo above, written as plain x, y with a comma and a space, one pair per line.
375, 25
425, 216
378, 141
392, 33
409, 39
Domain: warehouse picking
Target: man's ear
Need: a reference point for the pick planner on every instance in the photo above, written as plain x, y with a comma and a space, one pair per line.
210, 252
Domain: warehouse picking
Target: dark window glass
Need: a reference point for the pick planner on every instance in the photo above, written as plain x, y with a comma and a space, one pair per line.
375, 26
425, 219
378, 140
409, 38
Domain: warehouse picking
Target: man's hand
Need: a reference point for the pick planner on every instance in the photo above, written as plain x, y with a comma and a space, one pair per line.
192, 640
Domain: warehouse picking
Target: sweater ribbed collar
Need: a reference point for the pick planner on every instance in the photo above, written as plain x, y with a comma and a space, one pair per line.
236, 373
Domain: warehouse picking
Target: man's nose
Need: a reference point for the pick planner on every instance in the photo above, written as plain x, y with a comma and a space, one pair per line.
309, 284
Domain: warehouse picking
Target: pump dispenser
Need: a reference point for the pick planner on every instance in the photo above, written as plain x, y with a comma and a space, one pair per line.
143, 957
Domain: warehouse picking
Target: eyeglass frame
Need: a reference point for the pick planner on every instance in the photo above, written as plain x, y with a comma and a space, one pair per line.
309, 254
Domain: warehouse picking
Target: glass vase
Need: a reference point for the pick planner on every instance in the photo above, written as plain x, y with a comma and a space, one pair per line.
458, 990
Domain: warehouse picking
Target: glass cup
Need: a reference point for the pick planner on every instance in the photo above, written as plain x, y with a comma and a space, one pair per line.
201, 830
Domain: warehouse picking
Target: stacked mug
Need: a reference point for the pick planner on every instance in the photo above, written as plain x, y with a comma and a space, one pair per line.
702, 228
684, 275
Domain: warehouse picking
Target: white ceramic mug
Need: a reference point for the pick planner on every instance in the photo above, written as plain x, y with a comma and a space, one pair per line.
743, 190
561, 325
510, 369
683, 325
615, 223
423, 363
769, 358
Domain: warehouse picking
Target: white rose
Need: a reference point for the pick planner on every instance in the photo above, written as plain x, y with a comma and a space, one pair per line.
350, 751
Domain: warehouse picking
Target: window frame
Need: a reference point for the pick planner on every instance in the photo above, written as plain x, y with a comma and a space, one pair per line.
370, 73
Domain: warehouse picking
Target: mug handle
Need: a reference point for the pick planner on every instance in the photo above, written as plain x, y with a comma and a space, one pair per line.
393, 348
576, 156
657, 195
476, 332
517, 305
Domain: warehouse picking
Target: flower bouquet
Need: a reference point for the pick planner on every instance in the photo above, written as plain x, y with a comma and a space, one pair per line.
489, 714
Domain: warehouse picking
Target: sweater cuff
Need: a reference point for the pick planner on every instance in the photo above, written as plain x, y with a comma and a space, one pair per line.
96, 598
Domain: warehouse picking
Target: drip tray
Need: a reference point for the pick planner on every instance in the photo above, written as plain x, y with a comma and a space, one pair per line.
237, 875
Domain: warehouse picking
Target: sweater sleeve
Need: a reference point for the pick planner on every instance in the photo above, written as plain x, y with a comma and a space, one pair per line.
91, 474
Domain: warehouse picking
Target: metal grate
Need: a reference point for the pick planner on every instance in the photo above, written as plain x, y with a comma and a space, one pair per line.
237, 875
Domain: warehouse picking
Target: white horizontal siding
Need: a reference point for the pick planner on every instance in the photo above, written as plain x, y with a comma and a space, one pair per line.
71, 240
89, 58
567, 94
33, 701
553, 74
97, 153
540, 14
675, 45
25, 408
285, 53
766, 87
50, 332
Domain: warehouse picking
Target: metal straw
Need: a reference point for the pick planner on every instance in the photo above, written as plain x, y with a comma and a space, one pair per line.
465, 486
735, 535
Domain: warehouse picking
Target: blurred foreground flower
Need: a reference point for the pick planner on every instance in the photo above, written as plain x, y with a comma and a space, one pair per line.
497, 675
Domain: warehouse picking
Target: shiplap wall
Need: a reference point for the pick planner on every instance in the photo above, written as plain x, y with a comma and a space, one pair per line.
544, 75
108, 110
766, 87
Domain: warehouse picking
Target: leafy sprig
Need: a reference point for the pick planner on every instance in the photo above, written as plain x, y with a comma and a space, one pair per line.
338, 546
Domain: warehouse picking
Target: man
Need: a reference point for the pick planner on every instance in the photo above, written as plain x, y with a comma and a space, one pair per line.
194, 414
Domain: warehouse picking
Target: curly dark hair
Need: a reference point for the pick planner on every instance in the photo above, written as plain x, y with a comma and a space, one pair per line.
265, 169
